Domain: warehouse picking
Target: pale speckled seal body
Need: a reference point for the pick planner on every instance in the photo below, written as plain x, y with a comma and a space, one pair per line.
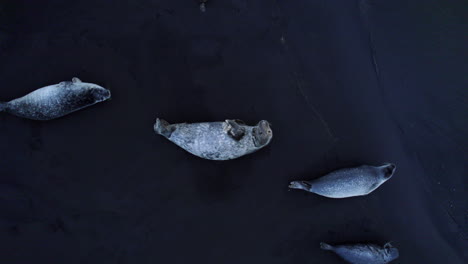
217, 140
348, 182
56, 100
364, 253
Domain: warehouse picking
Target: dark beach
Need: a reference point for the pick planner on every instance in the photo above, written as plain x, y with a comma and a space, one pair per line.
343, 83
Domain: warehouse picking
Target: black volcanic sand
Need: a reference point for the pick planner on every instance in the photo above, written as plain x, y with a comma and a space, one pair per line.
344, 83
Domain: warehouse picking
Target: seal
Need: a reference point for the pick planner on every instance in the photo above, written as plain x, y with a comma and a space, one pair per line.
348, 182
217, 140
364, 253
56, 100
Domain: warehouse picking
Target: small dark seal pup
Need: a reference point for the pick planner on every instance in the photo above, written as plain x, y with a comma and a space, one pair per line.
364, 253
56, 100
217, 140
348, 182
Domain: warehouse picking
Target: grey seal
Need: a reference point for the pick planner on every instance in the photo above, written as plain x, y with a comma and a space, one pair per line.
56, 100
348, 182
364, 253
217, 140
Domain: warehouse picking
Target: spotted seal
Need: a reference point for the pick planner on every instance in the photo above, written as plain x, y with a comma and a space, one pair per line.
348, 182
217, 140
56, 100
364, 253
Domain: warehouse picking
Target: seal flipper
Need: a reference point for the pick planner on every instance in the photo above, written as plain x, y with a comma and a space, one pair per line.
162, 127
325, 246
240, 122
235, 130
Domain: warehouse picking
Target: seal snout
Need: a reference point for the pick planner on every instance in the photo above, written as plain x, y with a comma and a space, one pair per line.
262, 133
389, 170
100, 94
106, 94
264, 128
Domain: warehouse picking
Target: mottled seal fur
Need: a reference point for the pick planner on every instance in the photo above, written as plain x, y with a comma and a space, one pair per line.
56, 100
348, 182
364, 253
217, 140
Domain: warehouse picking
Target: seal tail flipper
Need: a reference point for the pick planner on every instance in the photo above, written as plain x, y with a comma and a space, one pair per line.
325, 246
301, 185
162, 127
3, 106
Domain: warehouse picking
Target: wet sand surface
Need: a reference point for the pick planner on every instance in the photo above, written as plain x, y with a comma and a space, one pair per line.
343, 83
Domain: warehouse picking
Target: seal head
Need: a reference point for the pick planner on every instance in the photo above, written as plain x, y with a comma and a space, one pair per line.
95, 92
388, 170
262, 134
391, 252
98, 93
